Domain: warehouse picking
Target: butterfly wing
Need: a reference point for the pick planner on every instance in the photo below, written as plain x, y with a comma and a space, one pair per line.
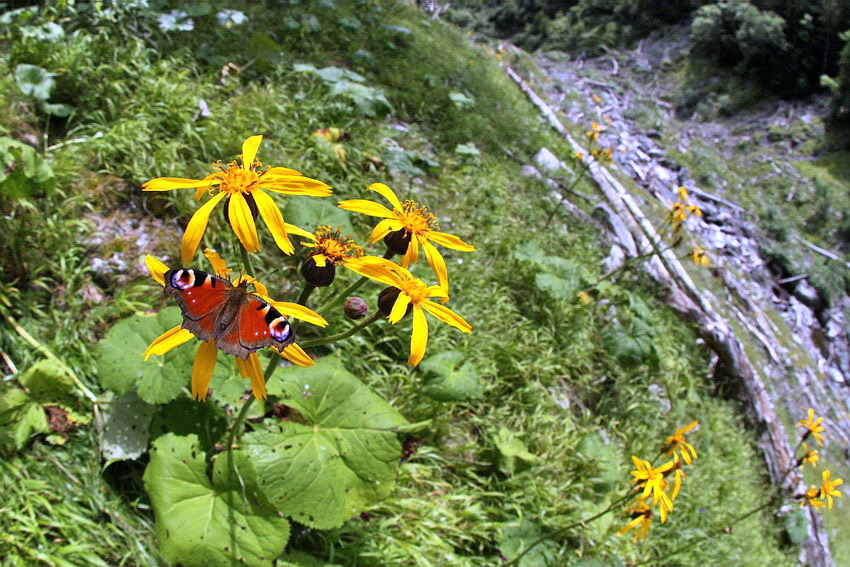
201, 297
260, 325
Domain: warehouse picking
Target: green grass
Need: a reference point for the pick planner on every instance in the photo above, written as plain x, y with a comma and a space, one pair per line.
547, 375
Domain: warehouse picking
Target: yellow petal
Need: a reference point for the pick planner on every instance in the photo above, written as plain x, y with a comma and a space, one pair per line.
383, 228
412, 254
296, 355
419, 338
242, 222
196, 227
260, 289
294, 185
378, 269
399, 308
250, 368
249, 151
437, 291
299, 312
319, 259
435, 260
450, 241
366, 207
446, 315
292, 229
218, 265
202, 369
171, 183
274, 220
280, 171
387, 193
156, 269
166, 341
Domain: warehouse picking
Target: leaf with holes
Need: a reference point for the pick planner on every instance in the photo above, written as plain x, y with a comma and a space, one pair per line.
341, 461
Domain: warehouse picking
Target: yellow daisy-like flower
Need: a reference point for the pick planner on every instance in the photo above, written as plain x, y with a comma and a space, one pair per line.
406, 227
410, 293
813, 427
641, 514
593, 133
207, 353
827, 489
699, 257
331, 247
677, 442
243, 186
653, 482
810, 498
809, 456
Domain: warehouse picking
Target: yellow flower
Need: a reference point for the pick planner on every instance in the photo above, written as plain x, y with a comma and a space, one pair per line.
677, 442
653, 482
810, 498
641, 515
243, 185
813, 427
332, 247
809, 456
405, 228
699, 257
596, 98
593, 133
410, 293
207, 353
827, 489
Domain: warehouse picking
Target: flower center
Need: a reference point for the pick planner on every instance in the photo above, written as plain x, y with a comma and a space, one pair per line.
415, 289
336, 246
236, 179
416, 218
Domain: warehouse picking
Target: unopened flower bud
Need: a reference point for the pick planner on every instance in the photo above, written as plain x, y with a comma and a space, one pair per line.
355, 308
397, 241
386, 300
319, 276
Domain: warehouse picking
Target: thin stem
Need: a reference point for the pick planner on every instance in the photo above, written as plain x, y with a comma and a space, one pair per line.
346, 293
246, 260
243, 413
565, 190
345, 334
718, 531
305, 294
559, 531
627, 264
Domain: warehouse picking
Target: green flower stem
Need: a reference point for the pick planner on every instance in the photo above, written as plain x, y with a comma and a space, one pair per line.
710, 535
246, 260
559, 531
243, 412
346, 293
305, 294
566, 190
627, 264
345, 334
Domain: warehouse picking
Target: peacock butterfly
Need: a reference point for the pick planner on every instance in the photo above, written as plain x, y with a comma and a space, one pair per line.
215, 309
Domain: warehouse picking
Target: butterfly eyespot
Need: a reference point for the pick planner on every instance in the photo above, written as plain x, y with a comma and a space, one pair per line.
280, 329
183, 279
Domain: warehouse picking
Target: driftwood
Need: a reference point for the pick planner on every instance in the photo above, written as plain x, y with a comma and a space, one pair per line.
695, 307
823, 252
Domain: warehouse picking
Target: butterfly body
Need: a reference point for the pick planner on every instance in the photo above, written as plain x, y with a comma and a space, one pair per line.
214, 309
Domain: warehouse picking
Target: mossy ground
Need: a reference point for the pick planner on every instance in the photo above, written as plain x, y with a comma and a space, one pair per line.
547, 375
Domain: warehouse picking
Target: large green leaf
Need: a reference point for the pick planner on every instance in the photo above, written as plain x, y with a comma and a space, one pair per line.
34, 81
309, 212
22, 170
46, 385
208, 522
125, 428
341, 461
513, 456
515, 537
121, 367
449, 378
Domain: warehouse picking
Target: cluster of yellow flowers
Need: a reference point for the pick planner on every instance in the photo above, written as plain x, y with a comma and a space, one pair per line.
406, 228
816, 497
657, 489
600, 153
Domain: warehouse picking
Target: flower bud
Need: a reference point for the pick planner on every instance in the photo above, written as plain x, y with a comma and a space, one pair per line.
397, 241
386, 300
319, 276
355, 308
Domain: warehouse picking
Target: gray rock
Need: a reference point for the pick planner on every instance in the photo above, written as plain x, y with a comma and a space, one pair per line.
548, 161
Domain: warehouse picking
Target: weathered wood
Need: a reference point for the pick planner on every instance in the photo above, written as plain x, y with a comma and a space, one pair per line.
695, 307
